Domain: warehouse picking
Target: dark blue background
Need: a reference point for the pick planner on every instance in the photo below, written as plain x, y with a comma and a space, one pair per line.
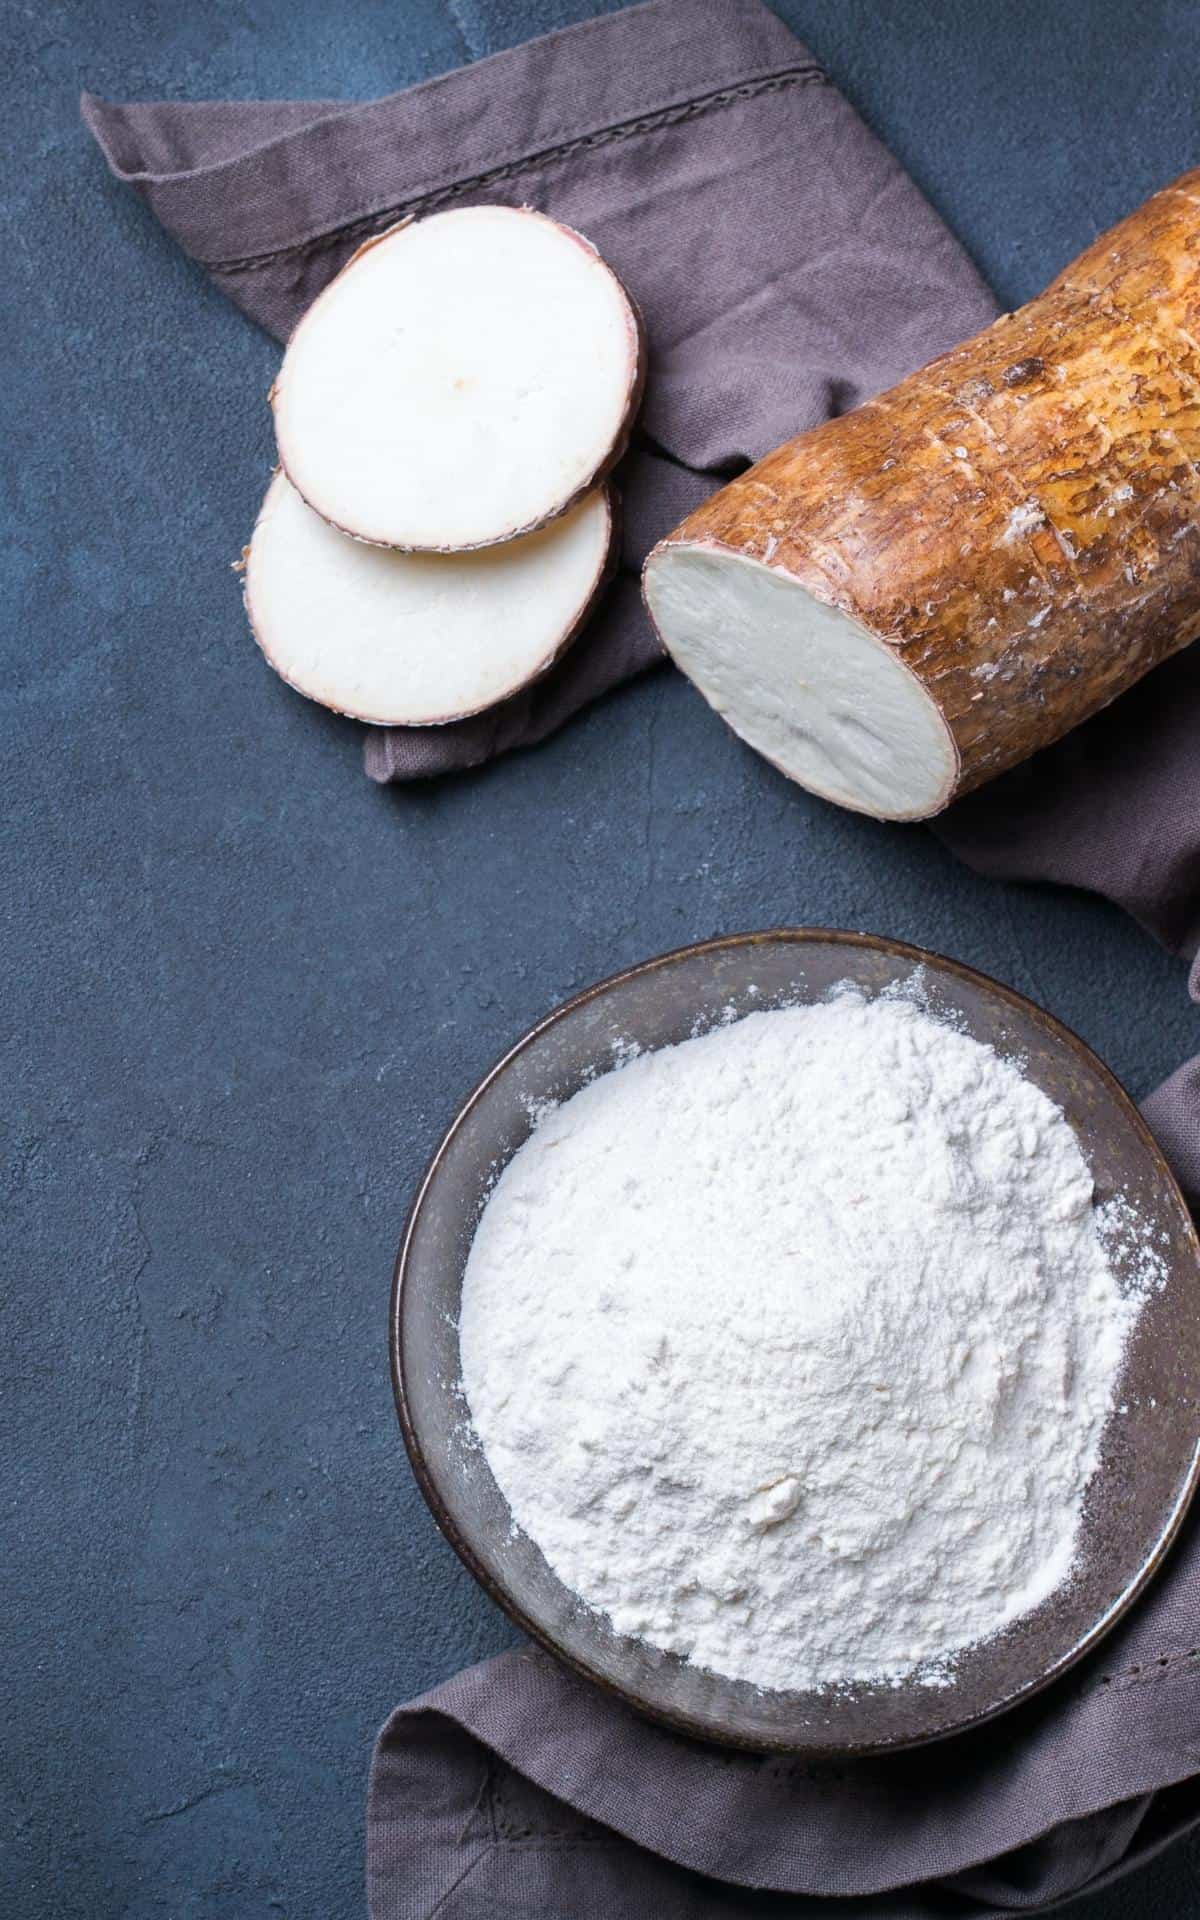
245, 989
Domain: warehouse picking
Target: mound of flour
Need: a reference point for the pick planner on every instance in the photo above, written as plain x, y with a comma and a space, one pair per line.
791, 1346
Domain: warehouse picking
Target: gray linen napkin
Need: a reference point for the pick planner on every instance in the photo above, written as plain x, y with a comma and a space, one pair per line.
787, 268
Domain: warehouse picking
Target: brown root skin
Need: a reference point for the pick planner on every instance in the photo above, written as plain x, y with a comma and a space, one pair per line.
604, 576
1019, 522
604, 468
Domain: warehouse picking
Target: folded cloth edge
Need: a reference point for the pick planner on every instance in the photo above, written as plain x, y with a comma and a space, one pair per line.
529, 1741
687, 52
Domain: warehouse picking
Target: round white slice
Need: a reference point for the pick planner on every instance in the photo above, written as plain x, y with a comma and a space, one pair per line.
830, 704
415, 639
462, 381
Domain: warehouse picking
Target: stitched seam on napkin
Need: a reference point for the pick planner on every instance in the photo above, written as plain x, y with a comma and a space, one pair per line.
1161, 1666
418, 204
509, 1829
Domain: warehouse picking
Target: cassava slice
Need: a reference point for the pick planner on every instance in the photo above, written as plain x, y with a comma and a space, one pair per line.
413, 639
907, 600
464, 380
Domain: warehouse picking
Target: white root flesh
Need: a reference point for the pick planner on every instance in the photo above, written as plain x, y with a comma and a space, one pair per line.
464, 380
406, 639
802, 682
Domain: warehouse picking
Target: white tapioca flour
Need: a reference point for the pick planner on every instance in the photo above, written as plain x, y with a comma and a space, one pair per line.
791, 1346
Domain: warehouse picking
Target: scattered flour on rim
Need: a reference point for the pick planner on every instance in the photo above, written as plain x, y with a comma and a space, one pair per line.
791, 1346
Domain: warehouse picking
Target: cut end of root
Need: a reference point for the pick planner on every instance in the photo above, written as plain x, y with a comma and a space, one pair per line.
829, 703
408, 639
464, 380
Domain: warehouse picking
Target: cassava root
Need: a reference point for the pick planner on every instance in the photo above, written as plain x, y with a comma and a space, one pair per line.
905, 601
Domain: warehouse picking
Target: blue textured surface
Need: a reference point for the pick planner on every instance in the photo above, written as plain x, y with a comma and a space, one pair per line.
245, 989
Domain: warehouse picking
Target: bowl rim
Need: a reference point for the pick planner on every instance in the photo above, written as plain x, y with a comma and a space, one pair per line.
683, 1723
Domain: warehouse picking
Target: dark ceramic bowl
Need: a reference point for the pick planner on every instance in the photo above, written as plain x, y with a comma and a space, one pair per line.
1150, 1455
